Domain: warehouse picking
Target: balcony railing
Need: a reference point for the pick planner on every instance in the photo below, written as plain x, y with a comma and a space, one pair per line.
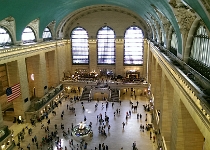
192, 92
48, 97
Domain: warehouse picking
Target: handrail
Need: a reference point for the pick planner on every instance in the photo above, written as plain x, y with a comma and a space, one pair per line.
182, 84
47, 97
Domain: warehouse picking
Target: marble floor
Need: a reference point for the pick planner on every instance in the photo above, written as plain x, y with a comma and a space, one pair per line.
117, 137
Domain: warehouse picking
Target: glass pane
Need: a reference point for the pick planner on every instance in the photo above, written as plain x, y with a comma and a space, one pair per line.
5, 39
106, 45
133, 46
200, 48
80, 50
28, 35
47, 35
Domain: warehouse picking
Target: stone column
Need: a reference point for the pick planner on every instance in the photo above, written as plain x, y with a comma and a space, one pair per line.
92, 55
52, 69
62, 55
1, 118
145, 59
157, 86
185, 133
119, 68
152, 72
40, 75
167, 92
17, 74
68, 56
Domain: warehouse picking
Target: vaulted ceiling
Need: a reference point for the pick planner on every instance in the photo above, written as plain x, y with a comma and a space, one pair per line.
24, 11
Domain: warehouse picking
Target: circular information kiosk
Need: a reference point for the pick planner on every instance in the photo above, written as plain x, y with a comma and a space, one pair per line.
82, 132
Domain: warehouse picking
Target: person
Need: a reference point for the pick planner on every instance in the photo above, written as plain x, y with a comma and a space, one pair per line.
134, 146
109, 127
29, 146
123, 124
37, 145
18, 144
153, 138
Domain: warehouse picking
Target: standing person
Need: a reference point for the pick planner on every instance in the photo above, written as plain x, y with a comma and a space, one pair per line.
150, 134
123, 124
153, 138
134, 146
29, 146
18, 144
37, 145
85, 145
137, 103
109, 127
99, 146
32, 140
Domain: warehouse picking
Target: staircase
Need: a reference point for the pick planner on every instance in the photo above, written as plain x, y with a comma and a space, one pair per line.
85, 95
115, 95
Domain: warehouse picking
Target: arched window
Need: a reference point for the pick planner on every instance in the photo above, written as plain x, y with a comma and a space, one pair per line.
80, 50
162, 38
200, 49
28, 36
106, 45
47, 35
5, 38
174, 44
133, 46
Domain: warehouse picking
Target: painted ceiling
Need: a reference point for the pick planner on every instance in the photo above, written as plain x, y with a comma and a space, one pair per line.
24, 11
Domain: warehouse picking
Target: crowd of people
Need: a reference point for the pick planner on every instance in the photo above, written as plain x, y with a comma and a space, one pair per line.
54, 135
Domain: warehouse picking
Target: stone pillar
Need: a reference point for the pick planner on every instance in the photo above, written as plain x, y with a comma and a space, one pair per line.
119, 68
92, 55
36, 65
1, 118
52, 69
17, 74
69, 56
145, 59
152, 72
157, 86
185, 133
167, 92
62, 55
40, 75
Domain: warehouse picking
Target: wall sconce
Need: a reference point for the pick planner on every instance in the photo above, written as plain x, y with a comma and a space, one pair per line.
32, 77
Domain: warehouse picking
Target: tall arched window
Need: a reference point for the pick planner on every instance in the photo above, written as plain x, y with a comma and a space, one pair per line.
200, 49
133, 46
106, 45
5, 38
47, 35
174, 44
28, 35
80, 50
162, 38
